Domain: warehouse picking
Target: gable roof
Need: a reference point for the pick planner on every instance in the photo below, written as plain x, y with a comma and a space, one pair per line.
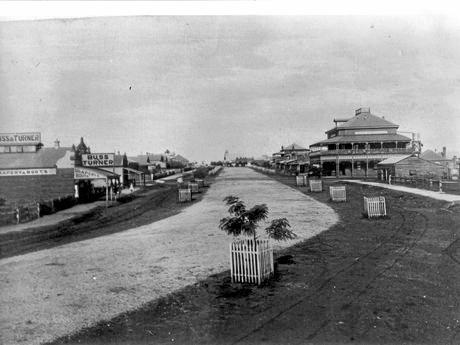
142, 159
292, 147
394, 159
430, 155
179, 158
365, 120
43, 158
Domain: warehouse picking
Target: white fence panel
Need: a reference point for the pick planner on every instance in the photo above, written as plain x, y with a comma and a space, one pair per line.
338, 193
316, 185
375, 207
300, 180
193, 187
251, 262
200, 182
184, 195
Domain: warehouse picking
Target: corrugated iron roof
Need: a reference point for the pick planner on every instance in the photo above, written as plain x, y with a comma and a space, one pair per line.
367, 120
43, 158
394, 159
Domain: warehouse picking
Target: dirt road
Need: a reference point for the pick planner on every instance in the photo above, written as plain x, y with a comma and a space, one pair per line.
392, 281
54, 292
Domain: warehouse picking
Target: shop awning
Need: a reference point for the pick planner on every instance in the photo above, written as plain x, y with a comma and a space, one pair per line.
81, 173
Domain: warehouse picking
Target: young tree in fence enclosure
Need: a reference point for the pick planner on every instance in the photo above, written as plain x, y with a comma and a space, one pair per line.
243, 221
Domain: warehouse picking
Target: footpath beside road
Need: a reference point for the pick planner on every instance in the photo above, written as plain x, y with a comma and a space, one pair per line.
51, 293
417, 191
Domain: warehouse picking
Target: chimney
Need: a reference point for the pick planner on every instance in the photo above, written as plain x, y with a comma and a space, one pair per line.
443, 154
57, 144
362, 111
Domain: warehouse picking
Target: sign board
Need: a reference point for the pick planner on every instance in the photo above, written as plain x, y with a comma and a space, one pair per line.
32, 138
87, 174
27, 172
98, 160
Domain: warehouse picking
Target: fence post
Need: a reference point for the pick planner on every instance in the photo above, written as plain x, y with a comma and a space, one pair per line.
440, 186
38, 210
231, 262
18, 214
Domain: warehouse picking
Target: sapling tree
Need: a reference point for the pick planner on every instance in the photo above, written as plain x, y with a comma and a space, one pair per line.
243, 221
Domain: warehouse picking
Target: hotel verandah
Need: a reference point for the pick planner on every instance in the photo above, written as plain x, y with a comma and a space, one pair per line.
354, 147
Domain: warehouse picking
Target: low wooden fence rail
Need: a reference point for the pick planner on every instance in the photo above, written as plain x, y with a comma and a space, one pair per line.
251, 262
316, 186
338, 193
184, 195
375, 206
20, 213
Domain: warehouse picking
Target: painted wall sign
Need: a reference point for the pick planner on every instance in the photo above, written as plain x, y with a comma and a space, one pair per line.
27, 172
32, 138
87, 174
97, 160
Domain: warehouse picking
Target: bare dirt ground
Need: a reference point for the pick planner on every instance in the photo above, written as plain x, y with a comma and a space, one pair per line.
394, 280
57, 291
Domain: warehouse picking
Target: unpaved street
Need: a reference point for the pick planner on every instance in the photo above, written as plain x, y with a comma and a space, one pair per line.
54, 292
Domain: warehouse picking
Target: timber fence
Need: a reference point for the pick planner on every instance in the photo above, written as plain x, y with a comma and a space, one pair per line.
316, 186
184, 195
375, 207
433, 184
301, 180
200, 182
251, 261
193, 187
338, 193
25, 211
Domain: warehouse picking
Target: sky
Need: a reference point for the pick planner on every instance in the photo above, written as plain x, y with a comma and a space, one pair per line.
200, 85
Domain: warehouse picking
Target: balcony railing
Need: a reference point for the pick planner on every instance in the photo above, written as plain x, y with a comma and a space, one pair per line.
362, 151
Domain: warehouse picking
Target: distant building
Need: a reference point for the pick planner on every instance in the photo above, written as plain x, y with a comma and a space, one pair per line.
450, 164
151, 162
355, 145
291, 158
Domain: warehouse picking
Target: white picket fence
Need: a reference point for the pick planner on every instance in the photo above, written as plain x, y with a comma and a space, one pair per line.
338, 193
200, 183
184, 195
375, 206
301, 180
251, 262
316, 186
193, 187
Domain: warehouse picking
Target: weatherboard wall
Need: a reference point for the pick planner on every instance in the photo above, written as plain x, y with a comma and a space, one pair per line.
38, 187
